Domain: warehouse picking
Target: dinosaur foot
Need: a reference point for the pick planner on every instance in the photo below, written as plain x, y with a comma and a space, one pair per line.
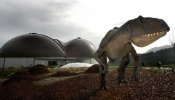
103, 87
135, 78
122, 81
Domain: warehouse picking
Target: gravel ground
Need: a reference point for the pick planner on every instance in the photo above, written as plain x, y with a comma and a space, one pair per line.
151, 86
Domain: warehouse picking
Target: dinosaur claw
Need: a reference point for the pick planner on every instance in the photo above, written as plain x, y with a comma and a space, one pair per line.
135, 79
122, 81
103, 87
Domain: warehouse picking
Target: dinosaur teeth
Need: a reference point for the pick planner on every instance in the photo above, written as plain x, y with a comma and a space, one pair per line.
154, 34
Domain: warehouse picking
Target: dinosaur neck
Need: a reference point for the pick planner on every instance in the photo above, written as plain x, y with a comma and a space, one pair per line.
124, 31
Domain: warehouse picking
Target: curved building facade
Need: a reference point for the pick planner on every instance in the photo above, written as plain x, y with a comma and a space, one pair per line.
31, 49
80, 50
31, 45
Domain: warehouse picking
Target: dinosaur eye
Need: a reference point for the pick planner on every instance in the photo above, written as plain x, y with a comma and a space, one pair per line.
140, 18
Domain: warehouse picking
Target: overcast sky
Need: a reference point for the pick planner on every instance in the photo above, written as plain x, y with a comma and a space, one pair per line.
89, 19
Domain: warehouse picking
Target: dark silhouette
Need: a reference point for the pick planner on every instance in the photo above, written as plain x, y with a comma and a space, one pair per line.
159, 64
165, 56
143, 65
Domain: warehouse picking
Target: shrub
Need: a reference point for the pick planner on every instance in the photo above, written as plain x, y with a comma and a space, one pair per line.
64, 73
93, 69
38, 70
19, 76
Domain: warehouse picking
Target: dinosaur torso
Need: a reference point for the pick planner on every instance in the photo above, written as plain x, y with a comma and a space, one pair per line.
114, 43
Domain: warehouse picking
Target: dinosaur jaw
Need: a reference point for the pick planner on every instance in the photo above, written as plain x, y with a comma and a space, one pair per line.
146, 39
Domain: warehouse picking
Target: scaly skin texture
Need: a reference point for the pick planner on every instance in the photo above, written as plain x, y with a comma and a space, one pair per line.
140, 31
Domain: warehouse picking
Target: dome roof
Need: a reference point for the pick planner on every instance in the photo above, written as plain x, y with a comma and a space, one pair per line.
80, 48
31, 45
60, 43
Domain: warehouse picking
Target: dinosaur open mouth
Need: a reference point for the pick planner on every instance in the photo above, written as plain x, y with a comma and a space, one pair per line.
146, 39
155, 34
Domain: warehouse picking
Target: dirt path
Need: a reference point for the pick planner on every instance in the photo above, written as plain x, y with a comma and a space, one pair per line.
50, 80
2, 80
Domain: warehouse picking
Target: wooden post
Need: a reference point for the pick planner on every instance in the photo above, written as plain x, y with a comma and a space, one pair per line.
3, 64
66, 60
172, 69
34, 61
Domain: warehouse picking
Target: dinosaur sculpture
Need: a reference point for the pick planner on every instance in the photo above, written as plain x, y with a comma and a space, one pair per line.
140, 31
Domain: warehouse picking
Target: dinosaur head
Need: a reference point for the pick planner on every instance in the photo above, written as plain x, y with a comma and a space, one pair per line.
145, 30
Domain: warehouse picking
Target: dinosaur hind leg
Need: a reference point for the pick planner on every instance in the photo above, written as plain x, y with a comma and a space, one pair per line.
121, 71
102, 60
136, 60
136, 64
